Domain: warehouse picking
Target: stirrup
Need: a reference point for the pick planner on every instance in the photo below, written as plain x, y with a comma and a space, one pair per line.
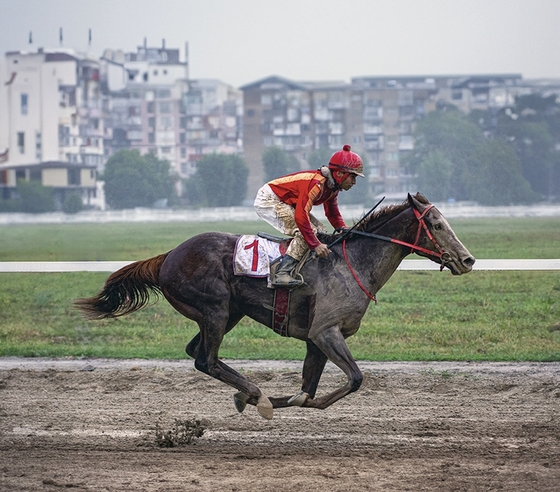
286, 280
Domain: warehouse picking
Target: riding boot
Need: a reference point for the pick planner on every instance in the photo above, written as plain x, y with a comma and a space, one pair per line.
283, 276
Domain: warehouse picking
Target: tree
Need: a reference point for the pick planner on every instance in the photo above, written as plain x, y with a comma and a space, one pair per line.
220, 181
434, 176
34, 197
276, 163
498, 179
133, 180
72, 204
454, 137
319, 157
453, 154
532, 127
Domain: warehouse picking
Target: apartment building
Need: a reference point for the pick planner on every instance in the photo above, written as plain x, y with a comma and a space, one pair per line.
143, 101
212, 121
376, 115
151, 105
51, 129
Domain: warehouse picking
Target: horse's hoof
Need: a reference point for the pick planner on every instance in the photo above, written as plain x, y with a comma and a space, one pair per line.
265, 408
298, 400
240, 400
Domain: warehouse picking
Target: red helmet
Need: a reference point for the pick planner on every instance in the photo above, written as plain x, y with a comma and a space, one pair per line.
346, 161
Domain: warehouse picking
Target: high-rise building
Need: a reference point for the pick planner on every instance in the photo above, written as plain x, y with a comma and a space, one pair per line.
151, 105
375, 115
51, 129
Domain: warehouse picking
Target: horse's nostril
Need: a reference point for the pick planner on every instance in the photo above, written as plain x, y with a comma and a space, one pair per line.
470, 261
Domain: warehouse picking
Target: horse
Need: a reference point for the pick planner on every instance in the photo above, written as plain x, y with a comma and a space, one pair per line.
198, 280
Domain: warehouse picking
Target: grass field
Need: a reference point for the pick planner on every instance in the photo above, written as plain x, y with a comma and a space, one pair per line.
420, 316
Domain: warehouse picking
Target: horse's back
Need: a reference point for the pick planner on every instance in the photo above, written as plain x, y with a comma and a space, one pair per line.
203, 252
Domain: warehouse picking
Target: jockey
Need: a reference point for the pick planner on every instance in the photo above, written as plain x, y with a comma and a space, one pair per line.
286, 203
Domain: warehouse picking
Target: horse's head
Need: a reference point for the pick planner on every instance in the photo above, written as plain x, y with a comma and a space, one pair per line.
436, 236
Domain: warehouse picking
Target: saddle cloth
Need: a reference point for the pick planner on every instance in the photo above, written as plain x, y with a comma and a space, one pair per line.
253, 255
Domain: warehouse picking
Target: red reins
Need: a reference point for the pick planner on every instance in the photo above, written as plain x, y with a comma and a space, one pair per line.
439, 253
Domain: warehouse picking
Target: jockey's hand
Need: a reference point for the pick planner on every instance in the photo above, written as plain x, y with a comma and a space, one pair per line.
322, 250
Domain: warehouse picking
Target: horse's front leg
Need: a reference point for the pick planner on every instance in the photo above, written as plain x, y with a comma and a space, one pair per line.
331, 343
313, 367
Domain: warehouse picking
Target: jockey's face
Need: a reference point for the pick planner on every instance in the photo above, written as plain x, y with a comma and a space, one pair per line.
348, 182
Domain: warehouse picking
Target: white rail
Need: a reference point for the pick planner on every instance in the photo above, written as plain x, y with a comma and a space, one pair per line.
113, 266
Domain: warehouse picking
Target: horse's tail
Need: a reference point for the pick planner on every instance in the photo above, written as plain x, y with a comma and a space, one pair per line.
125, 291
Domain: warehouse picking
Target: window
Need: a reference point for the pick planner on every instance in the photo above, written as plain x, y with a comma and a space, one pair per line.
74, 177
152, 121
24, 101
183, 152
182, 138
151, 138
38, 145
166, 121
165, 107
21, 142
151, 107
35, 175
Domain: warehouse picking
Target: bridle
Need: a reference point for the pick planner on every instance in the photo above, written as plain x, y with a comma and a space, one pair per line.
438, 253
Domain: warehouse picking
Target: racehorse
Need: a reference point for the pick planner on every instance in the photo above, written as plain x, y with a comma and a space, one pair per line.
198, 280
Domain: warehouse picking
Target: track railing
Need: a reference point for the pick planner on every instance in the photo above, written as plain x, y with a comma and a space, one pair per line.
410, 265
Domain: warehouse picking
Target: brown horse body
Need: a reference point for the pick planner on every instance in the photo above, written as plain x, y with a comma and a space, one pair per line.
197, 279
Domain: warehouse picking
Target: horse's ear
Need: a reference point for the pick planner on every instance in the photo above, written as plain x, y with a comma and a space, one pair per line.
418, 202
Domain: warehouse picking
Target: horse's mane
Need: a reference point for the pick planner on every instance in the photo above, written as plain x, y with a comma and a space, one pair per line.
383, 215
380, 217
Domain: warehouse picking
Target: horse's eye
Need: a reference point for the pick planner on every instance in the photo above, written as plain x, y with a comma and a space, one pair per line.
437, 227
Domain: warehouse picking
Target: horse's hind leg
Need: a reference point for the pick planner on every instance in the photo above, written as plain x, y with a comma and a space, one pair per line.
192, 347
212, 331
204, 347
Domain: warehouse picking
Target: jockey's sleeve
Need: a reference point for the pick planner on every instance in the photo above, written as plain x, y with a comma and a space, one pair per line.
333, 213
303, 208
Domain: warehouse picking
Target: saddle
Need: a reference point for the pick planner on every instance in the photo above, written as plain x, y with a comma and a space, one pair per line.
258, 256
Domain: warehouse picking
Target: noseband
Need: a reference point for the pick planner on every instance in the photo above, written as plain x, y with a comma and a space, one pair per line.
439, 253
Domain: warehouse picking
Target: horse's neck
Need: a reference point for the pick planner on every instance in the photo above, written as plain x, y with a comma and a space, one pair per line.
383, 257
403, 227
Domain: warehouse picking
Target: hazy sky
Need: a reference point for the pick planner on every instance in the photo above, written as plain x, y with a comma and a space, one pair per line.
241, 41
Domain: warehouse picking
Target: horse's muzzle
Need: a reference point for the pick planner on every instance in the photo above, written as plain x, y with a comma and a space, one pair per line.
461, 265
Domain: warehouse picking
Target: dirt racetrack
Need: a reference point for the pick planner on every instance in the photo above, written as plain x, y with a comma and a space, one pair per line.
91, 425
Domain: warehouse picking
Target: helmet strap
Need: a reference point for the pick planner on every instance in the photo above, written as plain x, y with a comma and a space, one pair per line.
340, 176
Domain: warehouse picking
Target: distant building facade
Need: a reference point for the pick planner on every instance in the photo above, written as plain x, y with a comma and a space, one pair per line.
376, 115
51, 128
69, 112
213, 121
151, 105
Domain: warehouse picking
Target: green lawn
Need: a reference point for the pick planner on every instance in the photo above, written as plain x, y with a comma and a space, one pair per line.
420, 316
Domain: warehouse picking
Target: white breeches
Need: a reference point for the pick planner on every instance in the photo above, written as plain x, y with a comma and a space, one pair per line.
281, 216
